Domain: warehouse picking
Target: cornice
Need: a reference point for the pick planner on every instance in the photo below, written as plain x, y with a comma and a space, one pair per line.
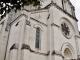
71, 4
55, 5
53, 24
17, 18
33, 10
39, 21
77, 36
54, 52
57, 53
25, 46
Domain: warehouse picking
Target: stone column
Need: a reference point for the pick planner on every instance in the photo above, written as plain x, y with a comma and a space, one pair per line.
25, 50
77, 46
13, 52
21, 37
50, 20
27, 33
57, 55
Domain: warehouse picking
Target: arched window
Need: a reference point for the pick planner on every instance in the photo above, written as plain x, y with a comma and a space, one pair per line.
67, 53
37, 45
64, 4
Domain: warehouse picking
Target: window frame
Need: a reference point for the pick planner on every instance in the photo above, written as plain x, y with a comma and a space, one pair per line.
39, 39
63, 4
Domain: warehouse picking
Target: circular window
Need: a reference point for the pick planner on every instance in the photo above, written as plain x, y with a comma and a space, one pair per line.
65, 30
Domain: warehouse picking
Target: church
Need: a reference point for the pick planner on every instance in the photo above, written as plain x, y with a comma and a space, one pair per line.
48, 33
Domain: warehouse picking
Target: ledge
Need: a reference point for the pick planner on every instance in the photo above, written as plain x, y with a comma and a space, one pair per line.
14, 46
25, 46
39, 21
57, 53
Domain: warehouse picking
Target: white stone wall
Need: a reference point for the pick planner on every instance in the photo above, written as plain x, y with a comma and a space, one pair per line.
52, 39
29, 36
59, 38
67, 6
59, 3
3, 37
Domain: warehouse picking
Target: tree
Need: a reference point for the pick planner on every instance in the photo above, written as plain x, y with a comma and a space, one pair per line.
7, 5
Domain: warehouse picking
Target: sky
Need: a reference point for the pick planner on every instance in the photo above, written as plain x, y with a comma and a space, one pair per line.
76, 4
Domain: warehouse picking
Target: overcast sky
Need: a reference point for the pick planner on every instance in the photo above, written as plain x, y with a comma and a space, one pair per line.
76, 4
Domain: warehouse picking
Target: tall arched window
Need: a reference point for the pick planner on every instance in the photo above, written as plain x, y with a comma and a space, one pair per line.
64, 4
37, 45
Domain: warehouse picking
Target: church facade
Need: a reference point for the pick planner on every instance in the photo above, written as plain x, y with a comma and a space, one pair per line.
49, 33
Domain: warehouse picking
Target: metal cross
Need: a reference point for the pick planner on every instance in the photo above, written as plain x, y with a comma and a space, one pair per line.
65, 29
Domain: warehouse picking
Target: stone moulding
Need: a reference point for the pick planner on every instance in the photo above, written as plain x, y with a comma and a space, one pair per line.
25, 46
53, 24
14, 46
57, 53
39, 22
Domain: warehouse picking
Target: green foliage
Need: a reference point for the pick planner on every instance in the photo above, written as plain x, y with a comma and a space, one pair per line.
31, 2
7, 5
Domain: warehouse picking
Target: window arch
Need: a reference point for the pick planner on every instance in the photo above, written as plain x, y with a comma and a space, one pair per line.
37, 43
68, 7
65, 4
68, 51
